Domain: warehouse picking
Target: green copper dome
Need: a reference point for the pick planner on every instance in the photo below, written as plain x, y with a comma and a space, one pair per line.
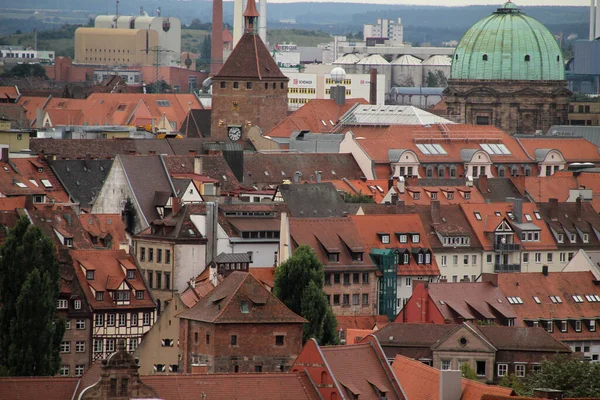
508, 45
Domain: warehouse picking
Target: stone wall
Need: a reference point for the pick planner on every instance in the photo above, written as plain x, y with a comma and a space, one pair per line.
513, 106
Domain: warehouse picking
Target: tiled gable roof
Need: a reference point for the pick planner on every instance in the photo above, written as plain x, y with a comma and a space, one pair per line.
30, 176
105, 227
222, 305
521, 339
30, 388
317, 200
422, 382
292, 386
15, 113
318, 115
58, 219
250, 59
572, 218
370, 322
572, 149
213, 166
412, 335
82, 179
371, 226
108, 267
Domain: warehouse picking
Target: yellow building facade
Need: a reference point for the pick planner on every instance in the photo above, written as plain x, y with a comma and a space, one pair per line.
106, 46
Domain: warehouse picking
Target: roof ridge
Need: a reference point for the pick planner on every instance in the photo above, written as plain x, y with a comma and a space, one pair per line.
222, 309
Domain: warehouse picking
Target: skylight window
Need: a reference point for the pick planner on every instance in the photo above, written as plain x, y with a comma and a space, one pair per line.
163, 103
537, 215
498, 213
324, 123
577, 298
34, 182
46, 183
510, 215
495, 149
514, 300
556, 299
121, 107
21, 184
528, 218
431, 149
537, 299
477, 216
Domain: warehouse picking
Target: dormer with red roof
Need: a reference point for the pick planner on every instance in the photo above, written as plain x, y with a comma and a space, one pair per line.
249, 90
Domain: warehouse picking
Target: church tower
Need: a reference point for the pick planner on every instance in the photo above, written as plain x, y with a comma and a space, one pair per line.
250, 89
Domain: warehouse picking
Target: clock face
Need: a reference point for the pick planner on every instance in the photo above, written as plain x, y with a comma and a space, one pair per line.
234, 133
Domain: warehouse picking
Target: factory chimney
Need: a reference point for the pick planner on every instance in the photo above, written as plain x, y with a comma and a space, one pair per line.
592, 19
373, 87
262, 21
238, 21
216, 53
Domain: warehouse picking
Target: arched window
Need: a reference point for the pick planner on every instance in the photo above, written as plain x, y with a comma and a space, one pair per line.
429, 172
485, 57
501, 172
456, 56
527, 58
334, 396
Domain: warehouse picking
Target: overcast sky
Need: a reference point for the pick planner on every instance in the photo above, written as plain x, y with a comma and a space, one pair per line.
451, 2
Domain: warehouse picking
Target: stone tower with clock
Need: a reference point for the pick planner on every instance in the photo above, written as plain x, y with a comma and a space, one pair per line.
250, 89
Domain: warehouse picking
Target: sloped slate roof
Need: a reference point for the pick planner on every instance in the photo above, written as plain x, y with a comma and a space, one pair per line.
82, 179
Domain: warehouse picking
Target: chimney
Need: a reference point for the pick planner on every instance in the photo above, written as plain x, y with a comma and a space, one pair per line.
5, 152
338, 93
192, 152
469, 181
545, 270
491, 278
517, 208
401, 184
373, 87
553, 211
435, 211
176, 205
297, 176
577, 204
198, 165
216, 53
550, 394
483, 184
319, 174
450, 385
400, 207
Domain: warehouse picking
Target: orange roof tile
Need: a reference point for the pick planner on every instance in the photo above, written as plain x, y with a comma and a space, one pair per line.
266, 275
12, 203
572, 149
422, 382
107, 276
101, 226
30, 388
354, 336
490, 221
370, 226
9, 92
316, 116
367, 322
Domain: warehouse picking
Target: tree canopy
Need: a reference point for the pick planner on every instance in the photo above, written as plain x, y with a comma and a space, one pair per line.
30, 333
27, 70
299, 285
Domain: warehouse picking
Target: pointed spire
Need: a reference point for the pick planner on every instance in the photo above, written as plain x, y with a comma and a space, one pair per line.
251, 16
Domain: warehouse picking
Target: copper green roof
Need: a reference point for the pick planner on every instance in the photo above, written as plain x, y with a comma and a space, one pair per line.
508, 45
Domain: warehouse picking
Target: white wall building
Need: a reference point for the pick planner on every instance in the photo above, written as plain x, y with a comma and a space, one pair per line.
385, 28
21, 53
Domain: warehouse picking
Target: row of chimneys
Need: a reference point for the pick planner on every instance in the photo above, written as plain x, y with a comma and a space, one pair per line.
316, 178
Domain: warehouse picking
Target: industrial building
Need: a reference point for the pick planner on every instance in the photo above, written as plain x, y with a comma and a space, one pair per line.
385, 28
137, 40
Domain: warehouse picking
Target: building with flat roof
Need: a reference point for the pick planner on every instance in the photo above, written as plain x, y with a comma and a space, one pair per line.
104, 46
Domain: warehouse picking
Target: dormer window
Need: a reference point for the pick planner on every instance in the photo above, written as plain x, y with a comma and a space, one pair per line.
420, 258
577, 326
402, 237
586, 238
244, 307
433, 196
406, 258
333, 257
415, 238
357, 256
416, 195
99, 296
139, 295
122, 295
89, 275
130, 274
427, 258
561, 238
385, 238
573, 237
69, 242
467, 195
450, 196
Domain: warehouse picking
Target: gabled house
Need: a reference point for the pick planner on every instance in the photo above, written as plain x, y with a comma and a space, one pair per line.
400, 249
122, 306
138, 187
444, 302
566, 304
240, 326
351, 276
358, 371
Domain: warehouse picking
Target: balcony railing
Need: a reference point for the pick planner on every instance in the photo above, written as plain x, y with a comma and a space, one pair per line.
507, 247
500, 268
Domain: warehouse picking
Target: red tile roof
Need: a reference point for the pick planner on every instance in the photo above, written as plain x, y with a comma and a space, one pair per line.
370, 226
422, 382
29, 176
222, 305
103, 225
31, 388
355, 336
278, 386
250, 59
192, 295
572, 149
109, 268
316, 116
562, 284
266, 275
370, 322
54, 219
9, 92
490, 221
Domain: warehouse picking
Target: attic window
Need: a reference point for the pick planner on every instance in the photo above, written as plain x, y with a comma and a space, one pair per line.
121, 107
537, 215
527, 58
130, 274
244, 308
477, 216
89, 275
528, 218
163, 103
324, 123
537, 300
385, 239
46, 183
21, 185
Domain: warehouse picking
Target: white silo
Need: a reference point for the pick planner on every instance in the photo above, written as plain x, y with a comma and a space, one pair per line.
407, 71
382, 66
434, 64
348, 62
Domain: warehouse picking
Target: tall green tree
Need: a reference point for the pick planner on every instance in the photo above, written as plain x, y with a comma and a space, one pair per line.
432, 80
299, 285
30, 332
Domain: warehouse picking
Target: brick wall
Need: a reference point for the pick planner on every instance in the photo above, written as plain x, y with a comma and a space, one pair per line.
262, 105
362, 287
73, 335
255, 346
